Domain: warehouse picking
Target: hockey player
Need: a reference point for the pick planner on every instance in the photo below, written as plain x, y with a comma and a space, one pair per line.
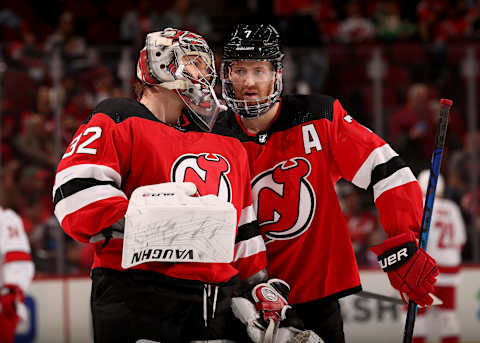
299, 147
16, 273
446, 239
136, 155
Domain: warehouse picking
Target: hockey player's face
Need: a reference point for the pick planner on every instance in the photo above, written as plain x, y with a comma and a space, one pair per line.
252, 80
197, 67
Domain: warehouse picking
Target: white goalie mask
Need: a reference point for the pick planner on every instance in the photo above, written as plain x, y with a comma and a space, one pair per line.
182, 61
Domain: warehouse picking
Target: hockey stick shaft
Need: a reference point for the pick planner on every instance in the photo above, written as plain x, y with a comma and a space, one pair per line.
436, 162
377, 296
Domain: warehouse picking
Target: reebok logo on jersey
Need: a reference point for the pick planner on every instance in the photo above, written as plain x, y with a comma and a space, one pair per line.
397, 257
164, 255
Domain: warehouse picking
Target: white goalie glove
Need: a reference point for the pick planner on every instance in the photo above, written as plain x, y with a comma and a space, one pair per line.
168, 223
271, 319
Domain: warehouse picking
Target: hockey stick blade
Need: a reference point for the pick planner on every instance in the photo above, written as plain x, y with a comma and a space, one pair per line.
440, 134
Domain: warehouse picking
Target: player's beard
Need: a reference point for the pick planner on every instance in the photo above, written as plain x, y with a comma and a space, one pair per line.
262, 91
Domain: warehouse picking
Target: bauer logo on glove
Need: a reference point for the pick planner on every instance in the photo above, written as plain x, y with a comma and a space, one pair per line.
397, 257
410, 269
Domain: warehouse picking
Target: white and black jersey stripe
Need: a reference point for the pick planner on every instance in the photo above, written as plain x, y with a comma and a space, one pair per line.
81, 185
383, 170
248, 241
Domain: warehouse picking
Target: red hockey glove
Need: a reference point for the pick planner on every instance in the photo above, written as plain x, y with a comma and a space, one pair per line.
9, 296
271, 319
271, 299
410, 269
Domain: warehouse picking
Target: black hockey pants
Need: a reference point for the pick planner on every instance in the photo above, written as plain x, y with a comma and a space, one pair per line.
133, 304
324, 318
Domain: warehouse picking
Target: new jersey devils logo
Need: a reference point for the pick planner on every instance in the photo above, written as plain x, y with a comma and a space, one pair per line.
207, 171
284, 199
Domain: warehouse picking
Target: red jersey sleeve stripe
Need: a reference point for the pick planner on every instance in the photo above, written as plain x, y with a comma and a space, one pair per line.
17, 256
378, 156
84, 198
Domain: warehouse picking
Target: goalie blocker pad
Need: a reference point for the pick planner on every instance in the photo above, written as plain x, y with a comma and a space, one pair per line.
168, 223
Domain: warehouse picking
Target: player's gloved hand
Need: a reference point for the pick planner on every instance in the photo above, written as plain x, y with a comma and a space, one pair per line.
271, 300
245, 311
114, 231
271, 319
10, 295
410, 269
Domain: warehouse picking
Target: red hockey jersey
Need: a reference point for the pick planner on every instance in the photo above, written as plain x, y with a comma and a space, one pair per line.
123, 146
311, 144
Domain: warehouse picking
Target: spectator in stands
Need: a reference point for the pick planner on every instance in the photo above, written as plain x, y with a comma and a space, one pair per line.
300, 28
187, 15
136, 23
77, 109
35, 146
72, 46
36, 208
429, 13
460, 170
46, 238
11, 25
355, 28
412, 128
9, 130
362, 223
460, 166
42, 106
10, 175
389, 23
441, 21
18, 86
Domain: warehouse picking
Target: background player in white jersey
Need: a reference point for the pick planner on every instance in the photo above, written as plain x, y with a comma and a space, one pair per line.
446, 239
299, 147
16, 273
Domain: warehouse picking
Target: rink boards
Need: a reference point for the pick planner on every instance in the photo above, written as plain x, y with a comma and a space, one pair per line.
59, 311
